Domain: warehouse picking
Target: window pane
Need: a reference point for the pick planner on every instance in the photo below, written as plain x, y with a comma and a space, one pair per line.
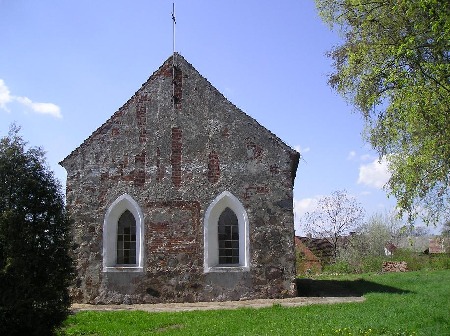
221, 229
126, 239
228, 237
235, 236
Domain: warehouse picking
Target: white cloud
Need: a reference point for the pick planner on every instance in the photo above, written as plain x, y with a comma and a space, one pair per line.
351, 155
5, 95
301, 207
301, 150
41, 108
304, 205
374, 174
354, 156
366, 157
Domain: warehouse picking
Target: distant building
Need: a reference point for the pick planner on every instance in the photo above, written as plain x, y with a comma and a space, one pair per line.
438, 245
181, 196
389, 249
312, 254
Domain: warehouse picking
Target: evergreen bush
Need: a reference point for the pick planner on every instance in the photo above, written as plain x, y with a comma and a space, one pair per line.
35, 267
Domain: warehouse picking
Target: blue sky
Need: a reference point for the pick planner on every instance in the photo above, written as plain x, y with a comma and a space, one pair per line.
67, 66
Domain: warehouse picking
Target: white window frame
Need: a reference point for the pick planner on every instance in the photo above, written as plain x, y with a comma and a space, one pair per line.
115, 210
210, 236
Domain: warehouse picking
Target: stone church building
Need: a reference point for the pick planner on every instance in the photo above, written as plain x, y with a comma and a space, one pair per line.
181, 196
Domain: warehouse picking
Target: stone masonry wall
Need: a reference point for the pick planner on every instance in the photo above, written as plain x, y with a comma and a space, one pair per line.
174, 155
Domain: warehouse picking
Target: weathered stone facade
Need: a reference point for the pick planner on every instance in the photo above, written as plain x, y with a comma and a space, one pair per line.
172, 149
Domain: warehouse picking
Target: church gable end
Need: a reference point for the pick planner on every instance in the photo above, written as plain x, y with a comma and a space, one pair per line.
173, 156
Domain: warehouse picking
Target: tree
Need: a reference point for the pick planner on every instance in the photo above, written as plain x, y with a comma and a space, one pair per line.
394, 66
445, 234
377, 232
35, 268
445, 231
371, 240
366, 248
336, 215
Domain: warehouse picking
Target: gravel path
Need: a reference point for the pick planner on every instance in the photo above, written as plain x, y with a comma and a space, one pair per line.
260, 303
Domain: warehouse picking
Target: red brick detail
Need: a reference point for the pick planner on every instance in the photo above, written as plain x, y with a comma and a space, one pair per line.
137, 175
226, 132
254, 151
139, 160
177, 87
213, 167
139, 178
104, 176
142, 135
141, 117
139, 172
274, 170
251, 191
175, 160
159, 169
177, 230
115, 131
165, 70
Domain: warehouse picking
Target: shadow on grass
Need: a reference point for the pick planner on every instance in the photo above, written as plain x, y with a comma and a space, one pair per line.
342, 288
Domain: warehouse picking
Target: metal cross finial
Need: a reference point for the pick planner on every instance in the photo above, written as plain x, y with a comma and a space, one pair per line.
173, 56
173, 25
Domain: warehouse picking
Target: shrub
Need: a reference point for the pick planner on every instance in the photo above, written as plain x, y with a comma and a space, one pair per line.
35, 269
419, 261
339, 267
440, 261
415, 261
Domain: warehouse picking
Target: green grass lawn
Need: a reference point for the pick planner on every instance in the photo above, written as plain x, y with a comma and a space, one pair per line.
413, 303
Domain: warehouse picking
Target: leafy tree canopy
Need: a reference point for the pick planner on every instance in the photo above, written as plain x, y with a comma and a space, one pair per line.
35, 268
393, 66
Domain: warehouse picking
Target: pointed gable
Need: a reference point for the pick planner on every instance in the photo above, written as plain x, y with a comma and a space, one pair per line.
180, 93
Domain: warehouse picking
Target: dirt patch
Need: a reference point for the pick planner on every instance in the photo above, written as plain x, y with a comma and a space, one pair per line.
260, 303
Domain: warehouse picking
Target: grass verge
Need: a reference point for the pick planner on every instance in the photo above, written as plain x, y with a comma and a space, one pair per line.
416, 303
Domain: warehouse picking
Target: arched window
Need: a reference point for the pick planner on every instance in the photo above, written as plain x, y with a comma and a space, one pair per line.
226, 235
123, 236
126, 239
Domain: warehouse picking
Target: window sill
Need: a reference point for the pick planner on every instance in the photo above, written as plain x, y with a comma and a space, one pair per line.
226, 269
123, 269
